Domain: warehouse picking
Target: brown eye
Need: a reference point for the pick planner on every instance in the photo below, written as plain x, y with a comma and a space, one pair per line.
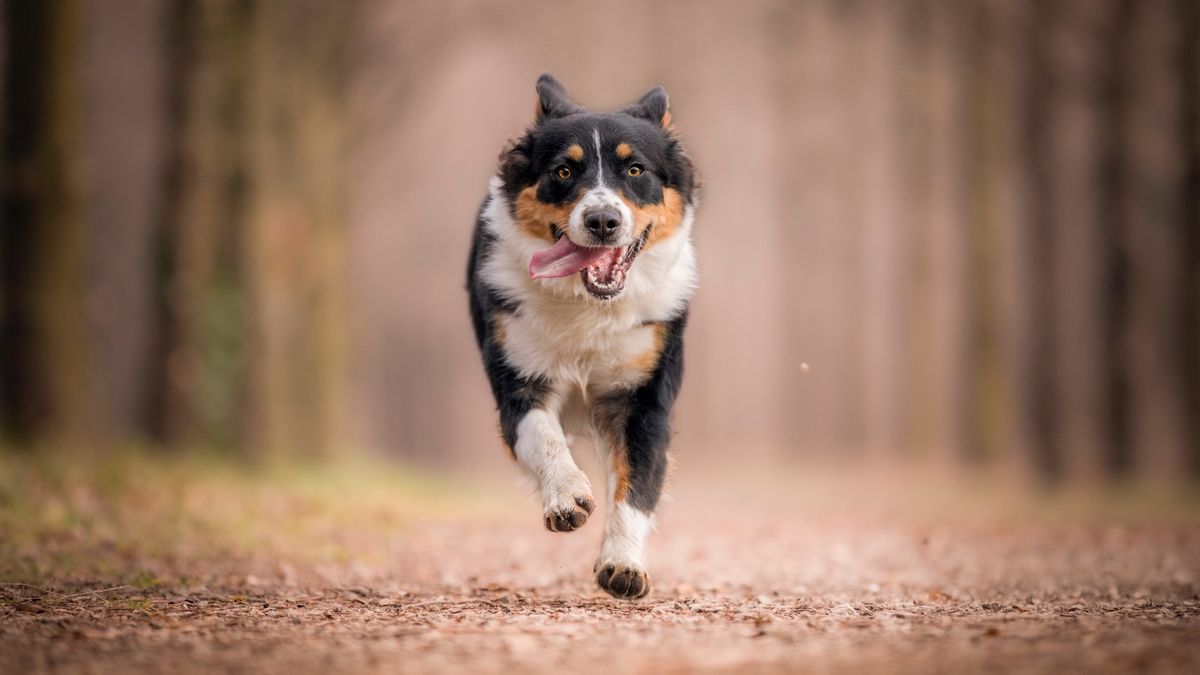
563, 172
635, 170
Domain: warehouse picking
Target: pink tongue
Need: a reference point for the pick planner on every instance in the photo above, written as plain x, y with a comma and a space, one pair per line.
563, 259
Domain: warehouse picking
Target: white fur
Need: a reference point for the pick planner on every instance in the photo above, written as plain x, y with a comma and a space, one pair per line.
599, 197
625, 535
542, 449
599, 158
626, 529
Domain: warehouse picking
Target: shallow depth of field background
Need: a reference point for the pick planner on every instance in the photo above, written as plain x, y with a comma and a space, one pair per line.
942, 402
240, 228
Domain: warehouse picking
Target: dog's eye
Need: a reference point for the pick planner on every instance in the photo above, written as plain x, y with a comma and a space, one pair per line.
635, 170
563, 172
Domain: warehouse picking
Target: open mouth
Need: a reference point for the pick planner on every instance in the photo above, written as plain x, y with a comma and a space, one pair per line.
602, 269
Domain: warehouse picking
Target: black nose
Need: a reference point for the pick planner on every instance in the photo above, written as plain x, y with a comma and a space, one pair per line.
602, 222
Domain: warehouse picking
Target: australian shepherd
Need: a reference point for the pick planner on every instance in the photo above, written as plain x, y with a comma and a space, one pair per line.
580, 276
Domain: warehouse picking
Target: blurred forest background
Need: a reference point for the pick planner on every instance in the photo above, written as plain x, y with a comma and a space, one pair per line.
243, 225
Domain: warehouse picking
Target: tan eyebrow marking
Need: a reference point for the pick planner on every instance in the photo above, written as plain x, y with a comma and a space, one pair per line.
624, 151
575, 152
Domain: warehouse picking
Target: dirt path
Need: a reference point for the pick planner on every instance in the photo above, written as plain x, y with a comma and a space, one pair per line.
736, 587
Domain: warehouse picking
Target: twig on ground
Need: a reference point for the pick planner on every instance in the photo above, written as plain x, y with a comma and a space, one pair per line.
96, 592
36, 588
428, 603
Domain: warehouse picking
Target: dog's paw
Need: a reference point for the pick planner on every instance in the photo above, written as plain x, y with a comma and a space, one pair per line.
619, 580
567, 501
565, 517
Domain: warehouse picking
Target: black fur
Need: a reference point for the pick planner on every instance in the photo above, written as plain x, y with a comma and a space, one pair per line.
648, 432
640, 420
652, 107
515, 395
553, 100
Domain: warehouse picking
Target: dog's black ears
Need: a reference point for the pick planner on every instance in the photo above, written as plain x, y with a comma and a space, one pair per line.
553, 100
654, 106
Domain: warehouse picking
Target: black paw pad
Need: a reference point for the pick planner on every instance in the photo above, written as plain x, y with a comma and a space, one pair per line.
623, 582
572, 519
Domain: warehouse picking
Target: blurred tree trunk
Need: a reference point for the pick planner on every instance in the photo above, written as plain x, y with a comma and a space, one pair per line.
197, 388
43, 344
1039, 399
821, 243
1075, 142
1189, 244
1113, 366
886, 232
123, 61
984, 372
916, 167
1151, 231
251, 350
296, 239
948, 267
1009, 433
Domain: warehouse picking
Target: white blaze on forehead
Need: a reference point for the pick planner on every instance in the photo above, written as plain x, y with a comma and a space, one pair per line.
599, 158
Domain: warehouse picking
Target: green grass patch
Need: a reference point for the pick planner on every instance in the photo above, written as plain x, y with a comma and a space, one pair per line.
133, 517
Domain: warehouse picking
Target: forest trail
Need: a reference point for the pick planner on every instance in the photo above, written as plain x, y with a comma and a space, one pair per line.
760, 583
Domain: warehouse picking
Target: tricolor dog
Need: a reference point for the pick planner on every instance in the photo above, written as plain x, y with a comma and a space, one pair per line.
580, 275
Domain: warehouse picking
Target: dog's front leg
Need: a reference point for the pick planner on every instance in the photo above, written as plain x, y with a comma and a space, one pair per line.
541, 448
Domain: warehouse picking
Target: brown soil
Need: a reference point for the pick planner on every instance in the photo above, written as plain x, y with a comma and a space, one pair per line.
739, 584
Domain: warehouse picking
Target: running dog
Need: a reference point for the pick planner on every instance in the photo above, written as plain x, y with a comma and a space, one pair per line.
580, 275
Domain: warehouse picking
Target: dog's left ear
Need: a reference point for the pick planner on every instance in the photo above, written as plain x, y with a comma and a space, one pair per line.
653, 106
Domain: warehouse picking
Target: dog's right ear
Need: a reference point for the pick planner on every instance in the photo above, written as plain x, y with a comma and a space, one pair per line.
553, 100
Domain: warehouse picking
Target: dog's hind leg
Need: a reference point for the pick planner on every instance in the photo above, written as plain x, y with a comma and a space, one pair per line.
633, 430
636, 471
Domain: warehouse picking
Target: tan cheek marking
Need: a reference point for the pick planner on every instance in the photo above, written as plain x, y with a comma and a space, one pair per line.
624, 151
535, 217
666, 216
575, 152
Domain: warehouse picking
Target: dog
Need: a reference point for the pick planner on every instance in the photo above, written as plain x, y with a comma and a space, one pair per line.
580, 276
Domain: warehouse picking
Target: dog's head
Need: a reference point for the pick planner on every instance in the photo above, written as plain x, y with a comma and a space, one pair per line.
597, 189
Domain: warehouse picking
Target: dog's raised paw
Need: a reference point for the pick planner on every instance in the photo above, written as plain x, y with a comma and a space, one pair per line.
566, 519
622, 581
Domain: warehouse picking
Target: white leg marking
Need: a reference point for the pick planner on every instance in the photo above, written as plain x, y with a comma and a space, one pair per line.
625, 536
626, 528
542, 449
621, 569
